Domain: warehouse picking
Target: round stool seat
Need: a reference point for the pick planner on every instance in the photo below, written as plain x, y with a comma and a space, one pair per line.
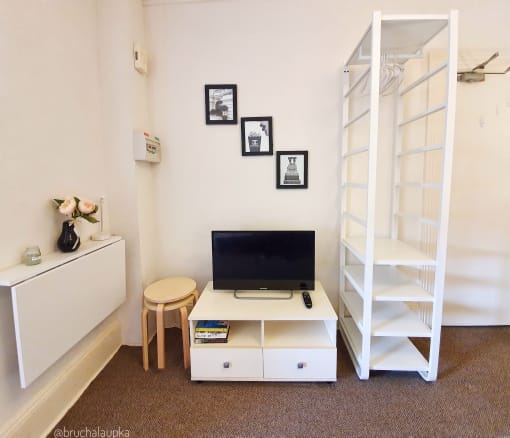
168, 290
174, 293
172, 305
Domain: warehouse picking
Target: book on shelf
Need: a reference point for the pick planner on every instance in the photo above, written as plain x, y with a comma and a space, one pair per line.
212, 326
211, 340
211, 335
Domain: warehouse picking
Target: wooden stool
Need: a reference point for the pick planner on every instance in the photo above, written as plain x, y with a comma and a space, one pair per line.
162, 296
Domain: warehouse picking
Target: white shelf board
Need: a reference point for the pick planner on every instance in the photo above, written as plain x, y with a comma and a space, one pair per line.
242, 334
396, 319
296, 334
16, 274
388, 318
396, 354
389, 284
389, 252
401, 36
387, 353
223, 305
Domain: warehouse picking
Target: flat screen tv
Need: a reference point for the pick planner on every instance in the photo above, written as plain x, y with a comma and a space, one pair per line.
263, 260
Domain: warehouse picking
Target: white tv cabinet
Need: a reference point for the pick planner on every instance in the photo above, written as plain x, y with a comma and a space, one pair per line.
269, 340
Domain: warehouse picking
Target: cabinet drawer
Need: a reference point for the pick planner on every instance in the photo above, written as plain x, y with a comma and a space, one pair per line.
300, 364
226, 363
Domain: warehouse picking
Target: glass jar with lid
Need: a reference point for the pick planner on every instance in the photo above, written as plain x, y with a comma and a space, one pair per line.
32, 256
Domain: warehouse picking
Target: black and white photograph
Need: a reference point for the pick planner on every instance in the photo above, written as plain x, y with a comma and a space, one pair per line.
257, 135
292, 169
221, 104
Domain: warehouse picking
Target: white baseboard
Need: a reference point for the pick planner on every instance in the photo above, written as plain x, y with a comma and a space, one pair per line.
52, 403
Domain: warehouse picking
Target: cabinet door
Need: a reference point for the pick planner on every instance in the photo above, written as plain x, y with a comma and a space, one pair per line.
56, 309
226, 363
300, 364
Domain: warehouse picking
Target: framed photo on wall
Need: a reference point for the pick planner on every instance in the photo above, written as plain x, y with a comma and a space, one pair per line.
292, 169
257, 135
221, 104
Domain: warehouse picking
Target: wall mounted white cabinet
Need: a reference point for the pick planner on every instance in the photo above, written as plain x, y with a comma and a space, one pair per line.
398, 122
58, 302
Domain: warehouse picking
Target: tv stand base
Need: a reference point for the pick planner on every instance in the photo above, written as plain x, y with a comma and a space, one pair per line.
277, 340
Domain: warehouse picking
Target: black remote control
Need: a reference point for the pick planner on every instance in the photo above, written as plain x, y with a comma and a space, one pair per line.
307, 299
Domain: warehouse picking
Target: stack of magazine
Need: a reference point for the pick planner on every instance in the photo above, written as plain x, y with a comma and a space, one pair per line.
211, 331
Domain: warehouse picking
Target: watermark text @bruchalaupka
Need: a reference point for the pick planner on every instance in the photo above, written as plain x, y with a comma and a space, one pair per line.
91, 432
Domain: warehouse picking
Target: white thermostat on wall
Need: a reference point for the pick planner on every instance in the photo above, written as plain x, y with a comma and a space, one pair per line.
146, 147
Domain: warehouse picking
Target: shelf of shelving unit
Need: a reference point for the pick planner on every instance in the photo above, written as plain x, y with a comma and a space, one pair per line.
396, 354
403, 36
389, 284
388, 318
387, 353
396, 319
389, 252
390, 291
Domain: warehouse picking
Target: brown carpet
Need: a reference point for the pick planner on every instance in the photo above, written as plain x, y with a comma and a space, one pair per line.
471, 398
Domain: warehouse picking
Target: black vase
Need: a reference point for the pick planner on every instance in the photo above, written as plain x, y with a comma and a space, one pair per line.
68, 240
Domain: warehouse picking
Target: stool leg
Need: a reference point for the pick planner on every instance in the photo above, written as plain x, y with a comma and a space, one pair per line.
195, 294
145, 340
160, 329
185, 336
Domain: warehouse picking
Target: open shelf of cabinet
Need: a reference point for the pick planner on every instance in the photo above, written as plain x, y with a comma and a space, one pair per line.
242, 334
296, 334
394, 227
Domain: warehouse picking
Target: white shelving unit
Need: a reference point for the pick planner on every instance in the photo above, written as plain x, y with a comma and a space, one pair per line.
396, 172
269, 340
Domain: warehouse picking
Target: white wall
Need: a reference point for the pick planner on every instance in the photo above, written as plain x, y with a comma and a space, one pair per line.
50, 127
478, 279
283, 68
123, 104
50, 147
69, 101
286, 57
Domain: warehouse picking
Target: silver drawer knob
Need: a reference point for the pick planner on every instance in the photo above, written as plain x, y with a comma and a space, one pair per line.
301, 365
226, 364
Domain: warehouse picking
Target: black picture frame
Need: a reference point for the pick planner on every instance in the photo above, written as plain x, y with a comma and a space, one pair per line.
292, 169
221, 104
256, 136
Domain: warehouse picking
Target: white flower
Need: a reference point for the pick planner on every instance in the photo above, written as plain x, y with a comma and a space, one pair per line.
77, 208
86, 207
68, 206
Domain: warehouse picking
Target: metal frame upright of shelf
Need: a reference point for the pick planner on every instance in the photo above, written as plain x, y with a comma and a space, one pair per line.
391, 286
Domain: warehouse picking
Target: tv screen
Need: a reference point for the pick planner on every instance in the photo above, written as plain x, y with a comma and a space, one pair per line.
263, 260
